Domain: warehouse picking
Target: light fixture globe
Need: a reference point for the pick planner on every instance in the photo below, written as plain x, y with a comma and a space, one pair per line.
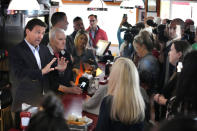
24, 5
97, 5
130, 4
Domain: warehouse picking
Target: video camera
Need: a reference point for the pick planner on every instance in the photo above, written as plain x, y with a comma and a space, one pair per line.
130, 33
160, 32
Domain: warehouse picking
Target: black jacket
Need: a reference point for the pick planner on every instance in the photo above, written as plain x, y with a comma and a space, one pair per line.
61, 78
28, 83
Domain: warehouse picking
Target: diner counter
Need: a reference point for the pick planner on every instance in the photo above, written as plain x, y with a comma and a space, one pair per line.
73, 105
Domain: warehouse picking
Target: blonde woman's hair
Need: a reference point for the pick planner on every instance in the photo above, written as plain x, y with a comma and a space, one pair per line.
79, 33
144, 38
128, 105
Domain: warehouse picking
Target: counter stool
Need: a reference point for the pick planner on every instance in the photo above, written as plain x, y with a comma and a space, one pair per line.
6, 118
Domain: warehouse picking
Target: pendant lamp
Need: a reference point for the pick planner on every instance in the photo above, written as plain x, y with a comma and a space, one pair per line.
97, 5
24, 5
130, 4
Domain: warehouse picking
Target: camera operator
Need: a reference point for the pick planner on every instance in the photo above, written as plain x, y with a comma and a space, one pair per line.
126, 49
126, 44
122, 23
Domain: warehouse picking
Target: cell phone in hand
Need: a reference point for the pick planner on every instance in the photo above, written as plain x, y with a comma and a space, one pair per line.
124, 15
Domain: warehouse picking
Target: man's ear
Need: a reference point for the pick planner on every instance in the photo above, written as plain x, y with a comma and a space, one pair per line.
180, 54
27, 31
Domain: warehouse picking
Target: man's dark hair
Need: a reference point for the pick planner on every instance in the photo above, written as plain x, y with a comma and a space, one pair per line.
32, 23
182, 46
180, 22
56, 17
95, 16
77, 19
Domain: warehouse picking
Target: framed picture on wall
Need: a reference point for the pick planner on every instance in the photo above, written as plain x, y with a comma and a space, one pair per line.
151, 5
141, 15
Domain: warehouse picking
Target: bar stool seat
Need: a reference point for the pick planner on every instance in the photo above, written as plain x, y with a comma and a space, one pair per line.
6, 118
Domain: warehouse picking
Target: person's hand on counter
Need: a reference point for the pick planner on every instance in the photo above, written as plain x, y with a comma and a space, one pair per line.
71, 90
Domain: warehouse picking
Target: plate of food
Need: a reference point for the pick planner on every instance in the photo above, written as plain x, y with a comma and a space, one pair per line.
79, 121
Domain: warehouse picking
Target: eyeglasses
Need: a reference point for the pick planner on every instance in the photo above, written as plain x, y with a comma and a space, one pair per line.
92, 20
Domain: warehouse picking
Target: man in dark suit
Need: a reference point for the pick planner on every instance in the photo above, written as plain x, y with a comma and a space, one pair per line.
30, 64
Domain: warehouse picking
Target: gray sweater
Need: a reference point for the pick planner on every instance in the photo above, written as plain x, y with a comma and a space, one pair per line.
93, 104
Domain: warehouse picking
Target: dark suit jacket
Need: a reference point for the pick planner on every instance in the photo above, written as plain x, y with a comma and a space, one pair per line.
26, 77
57, 78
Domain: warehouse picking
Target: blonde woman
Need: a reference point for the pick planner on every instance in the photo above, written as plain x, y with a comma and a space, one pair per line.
143, 45
81, 53
148, 66
124, 107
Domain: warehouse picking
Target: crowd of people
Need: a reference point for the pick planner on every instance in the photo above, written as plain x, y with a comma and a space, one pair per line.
160, 54
152, 80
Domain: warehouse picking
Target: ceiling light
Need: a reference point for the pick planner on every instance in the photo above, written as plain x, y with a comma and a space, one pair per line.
24, 5
139, 4
97, 5
57, 1
127, 4
130, 4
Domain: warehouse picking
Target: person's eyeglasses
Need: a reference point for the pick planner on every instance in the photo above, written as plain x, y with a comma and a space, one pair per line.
92, 20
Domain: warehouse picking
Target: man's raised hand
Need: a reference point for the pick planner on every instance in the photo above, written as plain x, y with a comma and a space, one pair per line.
48, 68
61, 64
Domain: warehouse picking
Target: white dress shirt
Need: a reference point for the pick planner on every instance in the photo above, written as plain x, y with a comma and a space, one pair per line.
35, 51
